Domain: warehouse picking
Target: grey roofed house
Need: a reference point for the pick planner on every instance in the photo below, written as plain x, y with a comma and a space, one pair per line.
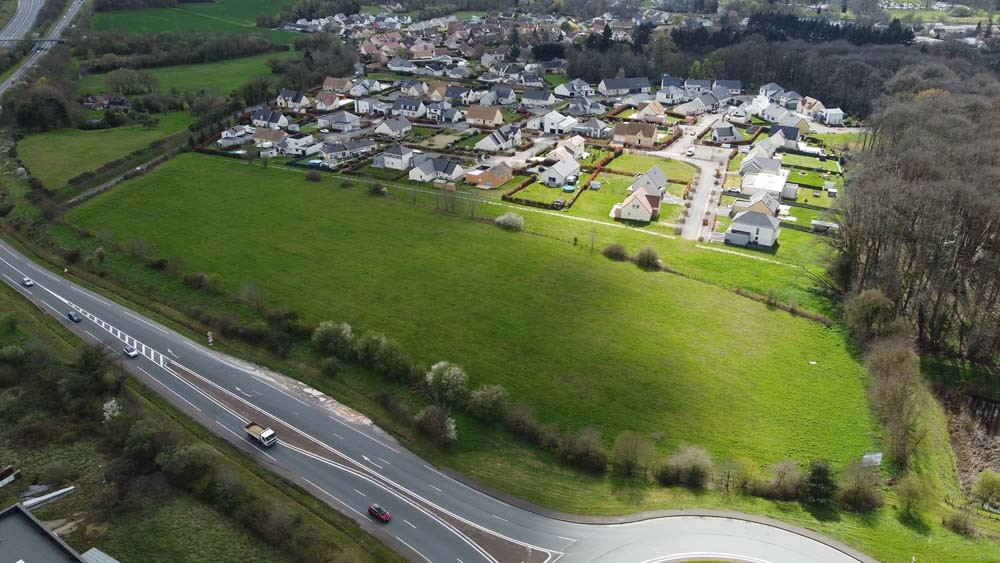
398, 150
630, 84
292, 95
731, 85
594, 128
760, 164
755, 219
400, 64
653, 179
267, 116
354, 147
439, 165
345, 118
566, 168
535, 94
456, 92
406, 104
790, 133
583, 106
697, 83
532, 79
667, 81
23, 538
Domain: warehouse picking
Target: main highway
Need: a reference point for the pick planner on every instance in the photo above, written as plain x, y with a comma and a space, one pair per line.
342, 458
21, 24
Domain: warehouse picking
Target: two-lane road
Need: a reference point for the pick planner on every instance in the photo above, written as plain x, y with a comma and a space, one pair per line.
346, 461
65, 20
19, 25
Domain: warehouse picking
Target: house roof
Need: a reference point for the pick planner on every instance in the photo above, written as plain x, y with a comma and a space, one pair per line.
398, 150
536, 94
273, 135
755, 219
728, 84
566, 168
25, 538
653, 177
667, 81
790, 133
698, 83
486, 113
344, 117
640, 197
294, 95
407, 104
626, 83
640, 129
437, 165
396, 124
767, 199
413, 83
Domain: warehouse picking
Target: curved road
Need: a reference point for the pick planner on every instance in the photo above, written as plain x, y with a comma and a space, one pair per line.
343, 459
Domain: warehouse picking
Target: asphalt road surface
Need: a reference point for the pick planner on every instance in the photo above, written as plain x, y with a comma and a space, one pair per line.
27, 10
24, 18
343, 459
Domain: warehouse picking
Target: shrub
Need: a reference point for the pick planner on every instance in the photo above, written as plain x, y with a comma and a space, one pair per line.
367, 347
690, 466
520, 419
346, 184
334, 338
34, 431
631, 454
648, 259
510, 221
986, 487
57, 473
196, 280
186, 464
313, 176
440, 427
859, 489
377, 189
911, 497
330, 366
392, 362
213, 283
820, 484
735, 475
488, 402
227, 490
446, 385
615, 251
398, 408
960, 522
785, 481
584, 450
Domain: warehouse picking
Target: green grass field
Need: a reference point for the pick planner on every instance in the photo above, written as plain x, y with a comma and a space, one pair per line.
829, 165
221, 16
542, 193
56, 156
695, 372
639, 163
220, 77
841, 141
469, 141
554, 80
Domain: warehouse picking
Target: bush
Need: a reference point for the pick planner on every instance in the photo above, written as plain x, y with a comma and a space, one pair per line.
521, 421
735, 475
510, 221
859, 489
960, 522
488, 402
440, 427
584, 450
34, 431
377, 189
57, 473
313, 176
690, 466
196, 280
911, 497
648, 259
631, 454
986, 488
330, 366
785, 481
398, 408
446, 385
367, 347
333, 338
213, 283
820, 485
227, 491
615, 251
185, 465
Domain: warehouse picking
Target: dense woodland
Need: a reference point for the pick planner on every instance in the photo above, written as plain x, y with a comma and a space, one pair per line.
920, 216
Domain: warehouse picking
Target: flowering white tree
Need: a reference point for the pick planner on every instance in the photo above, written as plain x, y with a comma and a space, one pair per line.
447, 384
112, 408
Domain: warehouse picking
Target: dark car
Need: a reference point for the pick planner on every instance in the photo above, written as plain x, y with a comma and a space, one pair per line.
74, 316
379, 513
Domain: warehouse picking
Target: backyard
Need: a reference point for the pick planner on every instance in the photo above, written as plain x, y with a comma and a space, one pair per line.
801, 161
640, 163
543, 194
56, 156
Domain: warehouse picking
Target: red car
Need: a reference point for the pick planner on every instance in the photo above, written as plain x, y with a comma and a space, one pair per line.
379, 513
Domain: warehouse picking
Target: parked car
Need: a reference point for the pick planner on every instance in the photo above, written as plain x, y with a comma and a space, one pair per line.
74, 316
27, 282
130, 352
689, 152
377, 512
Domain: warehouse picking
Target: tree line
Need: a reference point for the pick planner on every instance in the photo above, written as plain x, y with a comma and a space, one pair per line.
114, 5
105, 51
920, 214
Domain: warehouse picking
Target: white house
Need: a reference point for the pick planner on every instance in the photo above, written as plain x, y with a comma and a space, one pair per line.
832, 116
504, 138
409, 107
557, 123
576, 88
301, 144
775, 184
672, 95
395, 157
537, 98
269, 119
340, 121
292, 99
427, 169
560, 174
394, 127
623, 86
726, 133
752, 228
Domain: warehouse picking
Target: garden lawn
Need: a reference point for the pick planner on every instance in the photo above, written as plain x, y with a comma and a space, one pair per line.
829, 165
469, 141
422, 132
814, 179
56, 156
380, 173
219, 17
640, 163
542, 193
841, 141
554, 80
584, 340
219, 77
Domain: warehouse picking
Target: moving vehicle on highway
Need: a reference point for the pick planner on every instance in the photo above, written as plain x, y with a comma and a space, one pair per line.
74, 316
27, 282
261, 434
379, 513
130, 352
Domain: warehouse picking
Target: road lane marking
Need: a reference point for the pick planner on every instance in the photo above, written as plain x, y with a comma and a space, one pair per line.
94, 297
179, 396
92, 335
499, 518
145, 322
244, 393
359, 492
363, 434
410, 524
413, 548
436, 489
338, 435
243, 439
384, 461
18, 285
171, 352
364, 457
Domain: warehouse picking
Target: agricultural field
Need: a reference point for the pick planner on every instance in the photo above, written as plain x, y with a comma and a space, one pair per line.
219, 77
219, 17
687, 382
639, 163
56, 156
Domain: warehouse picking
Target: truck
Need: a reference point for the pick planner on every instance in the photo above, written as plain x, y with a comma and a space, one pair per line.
261, 434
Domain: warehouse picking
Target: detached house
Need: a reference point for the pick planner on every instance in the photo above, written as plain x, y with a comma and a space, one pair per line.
409, 107
562, 173
594, 128
635, 134
751, 228
537, 98
672, 95
325, 100
650, 111
269, 119
395, 157
498, 96
338, 85
585, 106
292, 99
832, 116
394, 127
340, 121
413, 88
575, 88
726, 133
427, 169
268, 137
696, 87
490, 178
623, 86
504, 138
556, 123
484, 116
